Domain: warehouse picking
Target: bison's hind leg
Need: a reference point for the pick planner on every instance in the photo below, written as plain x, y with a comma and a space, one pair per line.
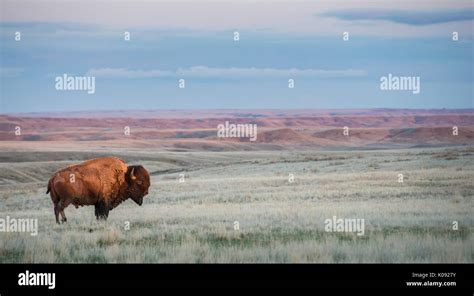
56, 212
61, 206
63, 216
55, 199
101, 211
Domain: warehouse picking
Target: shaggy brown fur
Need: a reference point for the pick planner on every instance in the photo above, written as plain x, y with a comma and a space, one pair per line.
103, 182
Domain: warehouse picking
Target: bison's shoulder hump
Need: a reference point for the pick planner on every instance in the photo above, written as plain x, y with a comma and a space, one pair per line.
104, 162
105, 168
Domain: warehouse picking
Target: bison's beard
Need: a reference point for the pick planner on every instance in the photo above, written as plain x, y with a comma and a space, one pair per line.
135, 195
138, 200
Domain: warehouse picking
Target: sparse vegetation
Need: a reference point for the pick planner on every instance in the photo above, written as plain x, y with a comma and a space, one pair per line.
279, 221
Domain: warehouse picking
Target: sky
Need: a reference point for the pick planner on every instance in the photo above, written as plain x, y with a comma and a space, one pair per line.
194, 41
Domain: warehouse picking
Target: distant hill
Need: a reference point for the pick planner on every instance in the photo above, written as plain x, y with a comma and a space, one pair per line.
196, 129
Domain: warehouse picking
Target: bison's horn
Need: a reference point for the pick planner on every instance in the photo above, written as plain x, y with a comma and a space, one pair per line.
131, 174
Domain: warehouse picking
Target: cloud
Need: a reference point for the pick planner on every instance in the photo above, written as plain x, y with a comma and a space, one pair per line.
413, 18
125, 73
201, 71
232, 72
287, 17
10, 72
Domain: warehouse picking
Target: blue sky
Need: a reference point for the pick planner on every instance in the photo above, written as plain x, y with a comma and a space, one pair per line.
305, 45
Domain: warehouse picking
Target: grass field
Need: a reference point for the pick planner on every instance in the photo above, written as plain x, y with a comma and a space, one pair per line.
279, 221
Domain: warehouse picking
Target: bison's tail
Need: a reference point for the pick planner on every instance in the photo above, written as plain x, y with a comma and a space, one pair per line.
52, 191
49, 187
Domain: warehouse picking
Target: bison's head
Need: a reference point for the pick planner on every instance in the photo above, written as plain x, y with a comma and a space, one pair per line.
138, 180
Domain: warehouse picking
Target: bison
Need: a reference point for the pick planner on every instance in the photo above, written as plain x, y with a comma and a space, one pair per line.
103, 182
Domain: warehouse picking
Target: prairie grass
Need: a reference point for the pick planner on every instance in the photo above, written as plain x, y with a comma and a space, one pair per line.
278, 221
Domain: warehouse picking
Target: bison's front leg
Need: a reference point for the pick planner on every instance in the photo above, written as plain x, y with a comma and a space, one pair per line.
101, 211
